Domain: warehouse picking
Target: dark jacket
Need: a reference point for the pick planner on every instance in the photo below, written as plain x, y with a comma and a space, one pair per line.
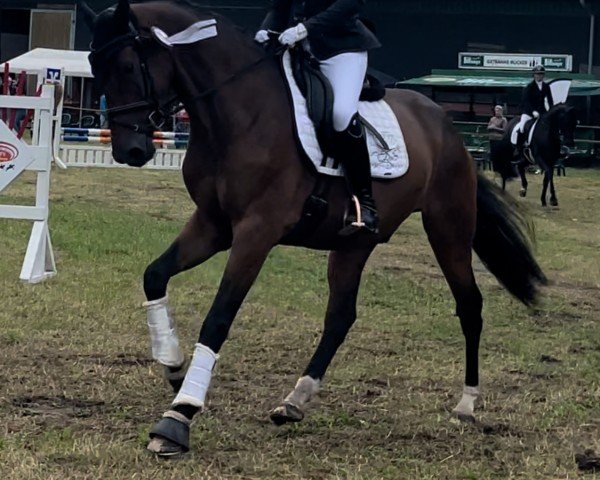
333, 26
533, 98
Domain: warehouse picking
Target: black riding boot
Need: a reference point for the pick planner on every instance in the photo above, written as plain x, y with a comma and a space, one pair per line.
523, 152
351, 151
520, 144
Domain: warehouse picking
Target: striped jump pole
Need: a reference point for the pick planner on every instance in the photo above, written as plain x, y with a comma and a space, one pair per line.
172, 135
105, 132
93, 132
85, 138
105, 140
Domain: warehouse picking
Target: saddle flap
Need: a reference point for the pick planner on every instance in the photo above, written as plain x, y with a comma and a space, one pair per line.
318, 93
385, 141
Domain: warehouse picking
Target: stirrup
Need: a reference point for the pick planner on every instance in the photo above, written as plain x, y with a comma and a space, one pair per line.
357, 223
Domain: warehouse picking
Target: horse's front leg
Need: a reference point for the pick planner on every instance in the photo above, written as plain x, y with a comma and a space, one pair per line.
344, 272
251, 244
553, 198
521, 168
545, 186
200, 239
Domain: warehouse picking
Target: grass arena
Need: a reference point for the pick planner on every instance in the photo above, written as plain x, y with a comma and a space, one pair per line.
81, 378
80, 389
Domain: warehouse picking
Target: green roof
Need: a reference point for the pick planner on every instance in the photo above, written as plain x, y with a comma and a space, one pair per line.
582, 85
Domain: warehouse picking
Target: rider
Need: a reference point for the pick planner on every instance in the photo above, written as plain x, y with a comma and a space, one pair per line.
332, 32
533, 105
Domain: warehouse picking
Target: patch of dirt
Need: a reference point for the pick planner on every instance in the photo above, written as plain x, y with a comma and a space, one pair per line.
500, 429
588, 461
115, 361
58, 406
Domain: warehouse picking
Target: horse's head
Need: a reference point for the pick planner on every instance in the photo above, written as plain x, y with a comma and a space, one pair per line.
136, 74
563, 117
567, 123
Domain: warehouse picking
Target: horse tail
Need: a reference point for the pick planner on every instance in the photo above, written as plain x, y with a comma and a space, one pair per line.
503, 241
501, 155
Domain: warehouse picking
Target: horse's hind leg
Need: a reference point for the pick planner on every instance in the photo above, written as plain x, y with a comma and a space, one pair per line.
450, 226
344, 273
545, 186
199, 240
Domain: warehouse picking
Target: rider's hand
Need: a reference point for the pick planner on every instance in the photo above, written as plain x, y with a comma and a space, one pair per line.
262, 36
293, 35
536, 114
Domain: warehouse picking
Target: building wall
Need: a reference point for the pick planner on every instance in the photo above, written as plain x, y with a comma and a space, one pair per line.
420, 35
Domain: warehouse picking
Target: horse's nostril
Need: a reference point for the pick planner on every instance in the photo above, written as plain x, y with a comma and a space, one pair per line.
137, 157
136, 154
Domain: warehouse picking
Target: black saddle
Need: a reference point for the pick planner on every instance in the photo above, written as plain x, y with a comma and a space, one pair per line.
526, 130
317, 91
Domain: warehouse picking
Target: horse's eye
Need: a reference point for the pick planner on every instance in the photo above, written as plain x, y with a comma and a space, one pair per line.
127, 68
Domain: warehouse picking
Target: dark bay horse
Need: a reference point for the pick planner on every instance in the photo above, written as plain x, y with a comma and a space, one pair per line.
545, 149
249, 180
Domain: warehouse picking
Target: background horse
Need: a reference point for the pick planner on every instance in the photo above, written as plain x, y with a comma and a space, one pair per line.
249, 181
545, 148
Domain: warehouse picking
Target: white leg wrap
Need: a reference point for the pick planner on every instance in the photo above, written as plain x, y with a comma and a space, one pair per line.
304, 390
197, 379
466, 406
165, 344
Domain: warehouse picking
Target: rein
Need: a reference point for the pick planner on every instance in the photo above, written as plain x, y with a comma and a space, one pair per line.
237, 75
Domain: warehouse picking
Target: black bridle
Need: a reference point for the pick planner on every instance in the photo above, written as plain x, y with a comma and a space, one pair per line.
159, 111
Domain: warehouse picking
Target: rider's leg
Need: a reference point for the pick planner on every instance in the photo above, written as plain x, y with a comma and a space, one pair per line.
346, 73
521, 129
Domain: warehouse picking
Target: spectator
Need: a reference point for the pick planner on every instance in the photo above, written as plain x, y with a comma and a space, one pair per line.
497, 124
103, 117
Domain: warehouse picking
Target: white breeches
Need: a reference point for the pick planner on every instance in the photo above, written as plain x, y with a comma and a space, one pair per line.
519, 128
524, 119
346, 73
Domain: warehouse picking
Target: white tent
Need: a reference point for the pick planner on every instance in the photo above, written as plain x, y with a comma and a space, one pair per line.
73, 63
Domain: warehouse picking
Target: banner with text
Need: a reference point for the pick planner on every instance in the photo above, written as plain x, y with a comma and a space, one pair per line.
514, 61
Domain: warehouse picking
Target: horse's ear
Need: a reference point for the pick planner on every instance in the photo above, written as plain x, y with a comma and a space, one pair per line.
121, 16
89, 16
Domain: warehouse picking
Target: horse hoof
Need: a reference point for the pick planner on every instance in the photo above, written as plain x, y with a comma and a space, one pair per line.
465, 417
170, 436
523, 193
554, 202
286, 413
164, 448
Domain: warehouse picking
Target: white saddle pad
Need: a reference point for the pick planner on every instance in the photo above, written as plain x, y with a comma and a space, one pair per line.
514, 134
392, 163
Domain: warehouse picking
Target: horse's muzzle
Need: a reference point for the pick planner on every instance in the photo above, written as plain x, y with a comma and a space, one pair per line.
136, 154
